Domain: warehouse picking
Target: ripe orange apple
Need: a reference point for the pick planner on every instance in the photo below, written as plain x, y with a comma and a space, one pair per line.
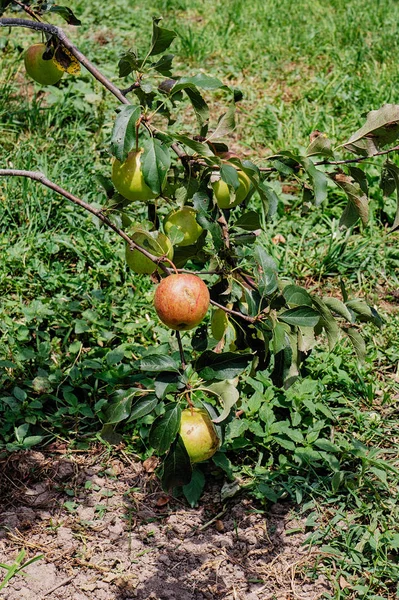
184, 219
222, 191
181, 301
43, 71
128, 178
157, 244
198, 434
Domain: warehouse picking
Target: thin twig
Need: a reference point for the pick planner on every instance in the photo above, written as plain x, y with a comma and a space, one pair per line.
182, 358
234, 312
27, 9
37, 176
59, 585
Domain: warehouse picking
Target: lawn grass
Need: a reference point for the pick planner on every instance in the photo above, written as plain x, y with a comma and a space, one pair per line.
73, 318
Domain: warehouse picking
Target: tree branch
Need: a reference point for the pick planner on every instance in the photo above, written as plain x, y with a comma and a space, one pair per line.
37, 176
59, 33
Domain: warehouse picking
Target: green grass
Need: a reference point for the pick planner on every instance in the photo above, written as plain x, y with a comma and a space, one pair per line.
73, 319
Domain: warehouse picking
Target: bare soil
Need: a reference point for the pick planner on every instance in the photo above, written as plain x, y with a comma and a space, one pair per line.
106, 531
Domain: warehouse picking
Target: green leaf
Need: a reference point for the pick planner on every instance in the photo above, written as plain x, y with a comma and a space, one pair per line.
66, 13
249, 221
193, 490
177, 470
328, 322
128, 63
228, 395
318, 179
230, 176
156, 363
358, 343
338, 307
266, 271
155, 163
326, 445
143, 407
201, 204
381, 128
228, 365
320, 146
301, 316
198, 147
360, 307
124, 133
119, 410
296, 296
225, 125
358, 206
393, 171
202, 81
164, 65
161, 38
164, 429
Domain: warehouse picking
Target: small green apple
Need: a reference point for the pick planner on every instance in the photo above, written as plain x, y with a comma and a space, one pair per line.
181, 301
43, 71
198, 434
128, 178
156, 243
184, 219
222, 191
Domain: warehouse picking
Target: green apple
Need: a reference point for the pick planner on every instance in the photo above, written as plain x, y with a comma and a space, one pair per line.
181, 301
43, 71
198, 434
157, 244
128, 178
184, 219
222, 191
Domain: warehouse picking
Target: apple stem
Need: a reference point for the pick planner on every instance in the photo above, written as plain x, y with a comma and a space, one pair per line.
183, 360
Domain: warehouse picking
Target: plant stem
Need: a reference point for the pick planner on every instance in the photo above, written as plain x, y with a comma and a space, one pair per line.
183, 360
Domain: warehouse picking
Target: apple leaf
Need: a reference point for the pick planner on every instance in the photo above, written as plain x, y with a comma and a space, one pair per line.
201, 205
266, 271
300, 316
296, 296
338, 307
193, 490
66, 13
320, 146
128, 63
156, 363
230, 176
143, 407
250, 221
225, 125
358, 205
177, 469
155, 163
393, 172
164, 429
198, 147
328, 322
123, 137
381, 128
228, 395
164, 65
205, 82
357, 342
161, 38
222, 366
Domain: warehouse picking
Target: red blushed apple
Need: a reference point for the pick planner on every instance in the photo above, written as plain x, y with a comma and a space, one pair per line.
181, 301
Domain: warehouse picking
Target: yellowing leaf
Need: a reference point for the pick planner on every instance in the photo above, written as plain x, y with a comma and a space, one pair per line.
65, 61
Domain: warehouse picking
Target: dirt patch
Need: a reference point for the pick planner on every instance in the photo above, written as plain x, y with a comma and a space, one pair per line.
107, 532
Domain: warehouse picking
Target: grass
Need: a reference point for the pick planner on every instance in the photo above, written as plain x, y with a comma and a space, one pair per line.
73, 318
